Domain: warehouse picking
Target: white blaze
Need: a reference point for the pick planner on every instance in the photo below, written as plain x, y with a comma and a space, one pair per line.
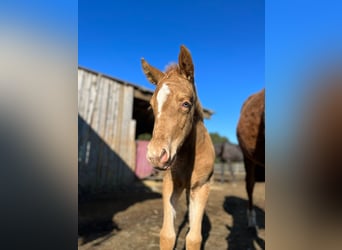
161, 97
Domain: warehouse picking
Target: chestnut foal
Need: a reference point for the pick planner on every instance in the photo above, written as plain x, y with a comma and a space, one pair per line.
180, 146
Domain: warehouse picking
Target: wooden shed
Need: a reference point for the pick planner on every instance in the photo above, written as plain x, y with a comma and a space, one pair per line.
111, 114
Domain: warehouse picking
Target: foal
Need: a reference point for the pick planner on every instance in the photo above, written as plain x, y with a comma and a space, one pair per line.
180, 145
251, 137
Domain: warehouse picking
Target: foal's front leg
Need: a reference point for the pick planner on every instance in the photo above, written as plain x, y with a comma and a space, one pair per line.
171, 193
198, 201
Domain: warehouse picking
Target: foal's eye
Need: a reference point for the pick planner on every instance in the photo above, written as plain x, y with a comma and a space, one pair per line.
186, 105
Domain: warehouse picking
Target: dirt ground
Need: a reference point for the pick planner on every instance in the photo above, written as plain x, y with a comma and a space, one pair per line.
131, 218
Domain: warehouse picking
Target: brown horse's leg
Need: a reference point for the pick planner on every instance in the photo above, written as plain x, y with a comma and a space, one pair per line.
250, 181
198, 201
171, 194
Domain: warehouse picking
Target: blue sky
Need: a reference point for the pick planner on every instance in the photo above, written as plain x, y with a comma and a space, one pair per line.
226, 39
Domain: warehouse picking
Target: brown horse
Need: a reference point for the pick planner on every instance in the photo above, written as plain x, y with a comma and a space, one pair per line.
180, 145
251, 137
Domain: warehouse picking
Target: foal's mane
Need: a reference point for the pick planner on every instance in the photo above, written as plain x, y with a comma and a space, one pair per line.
172, 69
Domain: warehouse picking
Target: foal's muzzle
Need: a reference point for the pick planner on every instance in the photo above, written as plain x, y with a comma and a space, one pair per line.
159, 159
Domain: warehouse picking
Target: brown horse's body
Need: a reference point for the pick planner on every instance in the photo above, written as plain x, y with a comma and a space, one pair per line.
181, 146
251, 137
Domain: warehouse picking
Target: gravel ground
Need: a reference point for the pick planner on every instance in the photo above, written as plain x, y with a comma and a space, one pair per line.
131, 219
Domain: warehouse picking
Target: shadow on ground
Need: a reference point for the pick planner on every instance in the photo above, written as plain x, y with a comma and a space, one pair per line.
240, 237
95, 216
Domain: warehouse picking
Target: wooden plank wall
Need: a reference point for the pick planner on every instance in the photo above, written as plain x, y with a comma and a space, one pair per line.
106, 136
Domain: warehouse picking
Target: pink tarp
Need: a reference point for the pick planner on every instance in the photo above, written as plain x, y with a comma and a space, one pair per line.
142, 168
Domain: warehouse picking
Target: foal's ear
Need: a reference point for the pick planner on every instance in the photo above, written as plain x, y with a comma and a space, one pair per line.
153, 74
185, 63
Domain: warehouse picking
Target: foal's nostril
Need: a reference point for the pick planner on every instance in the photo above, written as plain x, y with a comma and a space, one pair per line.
164, 156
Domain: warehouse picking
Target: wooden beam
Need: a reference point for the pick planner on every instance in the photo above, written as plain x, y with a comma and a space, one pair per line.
142, 95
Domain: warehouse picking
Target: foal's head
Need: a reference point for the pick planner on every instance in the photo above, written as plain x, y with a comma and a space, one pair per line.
175, 107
